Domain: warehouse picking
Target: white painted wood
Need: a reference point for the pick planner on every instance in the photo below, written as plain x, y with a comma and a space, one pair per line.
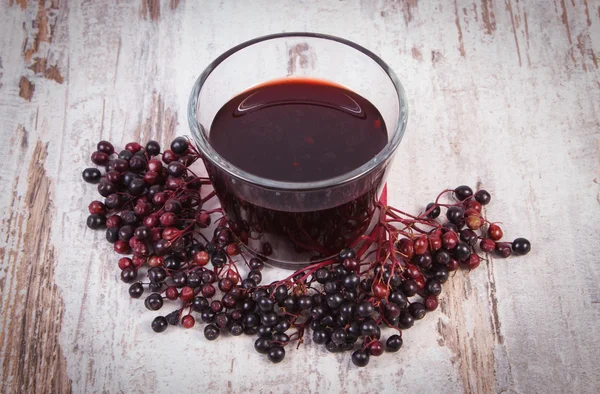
504, 93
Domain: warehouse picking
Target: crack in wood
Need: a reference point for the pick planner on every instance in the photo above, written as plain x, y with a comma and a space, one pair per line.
565, 20
514, 29
487, 15
26, 88
22, 3
461, 45
151, 8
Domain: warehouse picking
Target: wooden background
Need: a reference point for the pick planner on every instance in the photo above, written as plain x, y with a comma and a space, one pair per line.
502, 93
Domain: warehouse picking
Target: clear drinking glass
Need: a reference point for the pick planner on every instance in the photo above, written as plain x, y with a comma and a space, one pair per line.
295, 223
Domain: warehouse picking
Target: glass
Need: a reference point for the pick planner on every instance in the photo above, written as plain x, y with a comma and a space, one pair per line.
296, 223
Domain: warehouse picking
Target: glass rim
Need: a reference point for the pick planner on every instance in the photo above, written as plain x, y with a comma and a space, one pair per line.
215, 158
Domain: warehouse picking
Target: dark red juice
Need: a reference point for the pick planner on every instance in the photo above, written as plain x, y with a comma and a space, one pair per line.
298, 130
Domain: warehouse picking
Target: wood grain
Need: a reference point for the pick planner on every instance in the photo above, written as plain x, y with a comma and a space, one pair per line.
502, 93
32, 312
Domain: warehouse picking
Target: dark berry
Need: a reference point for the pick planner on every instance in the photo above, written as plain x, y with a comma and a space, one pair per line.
406, 320
126, 232
96, 221
347, 253
282, 325
106, 147
113, 201
199, 304
503, 249
222, 320
153, 148
365, 309
211, 332
455, 214
276, 354
393, 343
236, 329
159, 324
320, 337
125, 155
281, 292
129, 217
172, 262
176, 169
348, 309
119, 165
409, 287
208, 316
129, 274
136, 187
461, 252
289, 304
179, 279
435, 212
248, 284
376, 349
100, 158
332, 347
154, 302
339, 336
137, 164
91, 175
441, 257
398, 298
521, 246
450, 226
323, 275
417, 310
262, 345
463, 192
483, 197
157, 274
136, 290
368, 327
360, 358
392, 310
112, 234
351, 281
335, 300
253, 320
441, 273
264, 331
266, 304
218, 259
256, 264
305, 302
431, 302
281, 337
469, 236
422, 260
179, 145
433, 286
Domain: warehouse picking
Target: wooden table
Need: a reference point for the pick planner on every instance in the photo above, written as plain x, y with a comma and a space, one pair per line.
503, 94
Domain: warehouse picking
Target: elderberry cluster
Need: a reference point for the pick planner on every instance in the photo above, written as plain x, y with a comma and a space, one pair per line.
153, 210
